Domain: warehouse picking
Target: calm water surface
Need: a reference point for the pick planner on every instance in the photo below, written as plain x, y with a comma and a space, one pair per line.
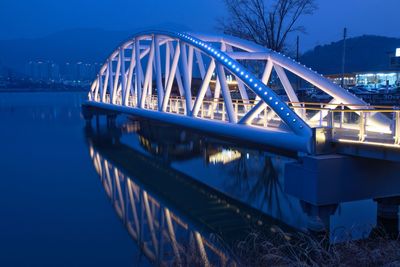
130, 192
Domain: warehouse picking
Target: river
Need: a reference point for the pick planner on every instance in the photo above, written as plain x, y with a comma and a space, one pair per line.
133, 192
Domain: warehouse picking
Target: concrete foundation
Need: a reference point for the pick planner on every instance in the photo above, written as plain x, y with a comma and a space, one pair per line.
331, 179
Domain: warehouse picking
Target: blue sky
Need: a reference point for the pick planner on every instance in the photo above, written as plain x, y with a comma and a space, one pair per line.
33, 18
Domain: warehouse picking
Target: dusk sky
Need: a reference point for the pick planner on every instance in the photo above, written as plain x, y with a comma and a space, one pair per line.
27, 18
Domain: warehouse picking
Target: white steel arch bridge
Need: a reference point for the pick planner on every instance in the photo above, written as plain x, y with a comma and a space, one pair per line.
184, 79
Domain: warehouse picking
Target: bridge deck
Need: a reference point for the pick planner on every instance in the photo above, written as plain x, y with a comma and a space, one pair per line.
348, 126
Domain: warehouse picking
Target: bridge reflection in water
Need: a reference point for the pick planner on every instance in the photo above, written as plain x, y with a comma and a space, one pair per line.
163, 236
173, 218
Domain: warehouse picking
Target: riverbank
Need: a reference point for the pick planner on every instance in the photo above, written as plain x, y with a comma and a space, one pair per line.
380, 249
50, 90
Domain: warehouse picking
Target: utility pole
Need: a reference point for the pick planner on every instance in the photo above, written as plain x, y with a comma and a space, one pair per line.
344, 55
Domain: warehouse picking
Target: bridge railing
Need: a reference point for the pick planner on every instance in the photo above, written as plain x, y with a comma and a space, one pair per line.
349, 125
355, 125
214, 109
358, 124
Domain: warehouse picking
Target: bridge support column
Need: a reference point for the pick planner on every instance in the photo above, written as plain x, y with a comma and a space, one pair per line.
318, 216
330, 179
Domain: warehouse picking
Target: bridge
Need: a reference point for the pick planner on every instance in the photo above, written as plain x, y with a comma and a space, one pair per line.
185, 79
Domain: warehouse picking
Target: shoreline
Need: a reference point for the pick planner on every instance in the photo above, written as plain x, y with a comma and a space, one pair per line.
48, 90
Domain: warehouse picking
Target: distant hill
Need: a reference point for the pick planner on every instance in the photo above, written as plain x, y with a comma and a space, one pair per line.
364, 53
86, 45
74, 45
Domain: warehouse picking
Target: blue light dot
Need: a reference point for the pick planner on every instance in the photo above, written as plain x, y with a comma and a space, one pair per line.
241, 73
251, 80
222, 57
237, 69
265, 93
281, 108
229, 63
233, 66
287, 114
294, 120
247, 76
276, 103
270, 98
255, 84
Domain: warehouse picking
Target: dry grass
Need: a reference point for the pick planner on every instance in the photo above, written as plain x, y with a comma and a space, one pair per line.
302, 250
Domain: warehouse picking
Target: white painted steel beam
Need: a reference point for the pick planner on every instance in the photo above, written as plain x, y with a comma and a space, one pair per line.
111, 81
160, 89
148, 77
123, 74
178, 76
185, 77
138, 72
128, 92
116, 81
168, 89
202, 70
226, 94
203, 89
257, 109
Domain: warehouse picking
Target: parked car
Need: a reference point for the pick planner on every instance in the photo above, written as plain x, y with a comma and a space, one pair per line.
357, 91
320, 96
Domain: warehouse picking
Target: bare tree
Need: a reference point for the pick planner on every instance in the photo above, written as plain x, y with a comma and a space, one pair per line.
265, 22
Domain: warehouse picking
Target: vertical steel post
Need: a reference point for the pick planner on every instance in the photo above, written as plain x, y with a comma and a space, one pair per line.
397, 128
362, 125
266, 117
342, 117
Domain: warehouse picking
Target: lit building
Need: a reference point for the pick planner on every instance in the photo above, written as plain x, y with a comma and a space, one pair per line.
373, 79
349, 79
